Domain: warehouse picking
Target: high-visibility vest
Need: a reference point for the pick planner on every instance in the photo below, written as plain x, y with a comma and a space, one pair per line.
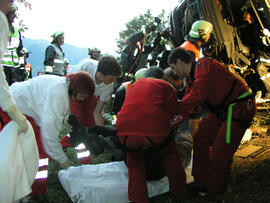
187, 45
58, 63
27, 67
11, 58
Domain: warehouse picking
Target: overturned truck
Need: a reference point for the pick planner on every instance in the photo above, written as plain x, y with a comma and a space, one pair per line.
240, 37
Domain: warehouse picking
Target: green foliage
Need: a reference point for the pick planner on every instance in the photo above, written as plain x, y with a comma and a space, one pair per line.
22, 26
137, 24
26, 3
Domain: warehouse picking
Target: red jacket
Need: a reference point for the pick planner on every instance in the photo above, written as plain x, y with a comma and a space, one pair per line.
210, 81
149, 106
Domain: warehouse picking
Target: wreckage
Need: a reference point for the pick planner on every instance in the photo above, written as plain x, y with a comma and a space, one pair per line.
240, 43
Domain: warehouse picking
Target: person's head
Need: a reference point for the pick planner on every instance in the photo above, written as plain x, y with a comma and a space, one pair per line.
58, 38
180, 61
94, 53
154, 72
5, 5
171, 77
25, 52
108, 70
140, 73
200, 31
81, 86
11, 14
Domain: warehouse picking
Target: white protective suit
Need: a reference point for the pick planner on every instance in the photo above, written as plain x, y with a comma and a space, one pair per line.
88, 65
45, 99
18, 154
6, 100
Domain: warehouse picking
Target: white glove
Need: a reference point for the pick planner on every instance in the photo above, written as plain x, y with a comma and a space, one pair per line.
266, 32
67, 164
66, 125
19, 118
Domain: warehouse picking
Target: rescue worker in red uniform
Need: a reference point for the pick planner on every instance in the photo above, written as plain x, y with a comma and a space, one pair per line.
145, 121
231, 110
199, 34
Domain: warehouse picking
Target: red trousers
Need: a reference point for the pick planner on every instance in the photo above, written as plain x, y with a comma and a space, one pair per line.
212, 132
84, 110
137, 188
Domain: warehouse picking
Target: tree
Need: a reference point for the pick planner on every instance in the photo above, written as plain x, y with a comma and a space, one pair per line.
22, 27
137, 24
26, 3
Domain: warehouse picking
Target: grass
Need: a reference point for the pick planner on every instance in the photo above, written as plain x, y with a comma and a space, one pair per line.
249, 179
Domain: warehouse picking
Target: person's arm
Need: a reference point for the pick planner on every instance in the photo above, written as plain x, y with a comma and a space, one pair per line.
195, 94
49, 56
20, 47
97, 114
55, 107
7, 103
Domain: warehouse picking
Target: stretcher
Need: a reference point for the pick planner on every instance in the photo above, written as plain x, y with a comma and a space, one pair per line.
106, 183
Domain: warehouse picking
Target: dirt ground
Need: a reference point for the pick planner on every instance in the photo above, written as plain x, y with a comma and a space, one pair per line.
250, 178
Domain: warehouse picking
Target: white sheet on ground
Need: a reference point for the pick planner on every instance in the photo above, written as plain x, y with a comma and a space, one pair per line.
105, 183
18, 162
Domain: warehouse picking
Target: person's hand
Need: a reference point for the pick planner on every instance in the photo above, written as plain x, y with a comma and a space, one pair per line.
19, 118
66, 123
67, 164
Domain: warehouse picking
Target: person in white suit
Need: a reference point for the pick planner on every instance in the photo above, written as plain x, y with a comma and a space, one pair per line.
46, 99
7, 103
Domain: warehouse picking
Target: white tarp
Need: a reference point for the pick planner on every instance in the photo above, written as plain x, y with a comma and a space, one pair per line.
18, 162
105, 183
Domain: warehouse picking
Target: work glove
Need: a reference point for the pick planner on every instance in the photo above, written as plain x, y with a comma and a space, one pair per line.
19, 118
266, 32
67, 164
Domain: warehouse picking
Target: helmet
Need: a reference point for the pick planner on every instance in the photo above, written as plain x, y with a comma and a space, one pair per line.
25, 51
56, 34
93, 49
140, 73
200, 29
13, 7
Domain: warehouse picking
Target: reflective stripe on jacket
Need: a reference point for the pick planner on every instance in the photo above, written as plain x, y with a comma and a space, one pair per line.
11, 57
58, 62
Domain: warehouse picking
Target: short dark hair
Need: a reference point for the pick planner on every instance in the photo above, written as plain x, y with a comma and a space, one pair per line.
154, 72
170, 73
108, 65
180, 53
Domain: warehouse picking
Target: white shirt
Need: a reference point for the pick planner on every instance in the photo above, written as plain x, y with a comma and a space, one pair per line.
45, 99
90, 66
6, 100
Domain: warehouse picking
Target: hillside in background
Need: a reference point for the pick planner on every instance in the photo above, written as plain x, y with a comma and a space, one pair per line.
37, 47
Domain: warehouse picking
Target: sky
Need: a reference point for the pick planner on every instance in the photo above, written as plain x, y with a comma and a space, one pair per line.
86, 23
